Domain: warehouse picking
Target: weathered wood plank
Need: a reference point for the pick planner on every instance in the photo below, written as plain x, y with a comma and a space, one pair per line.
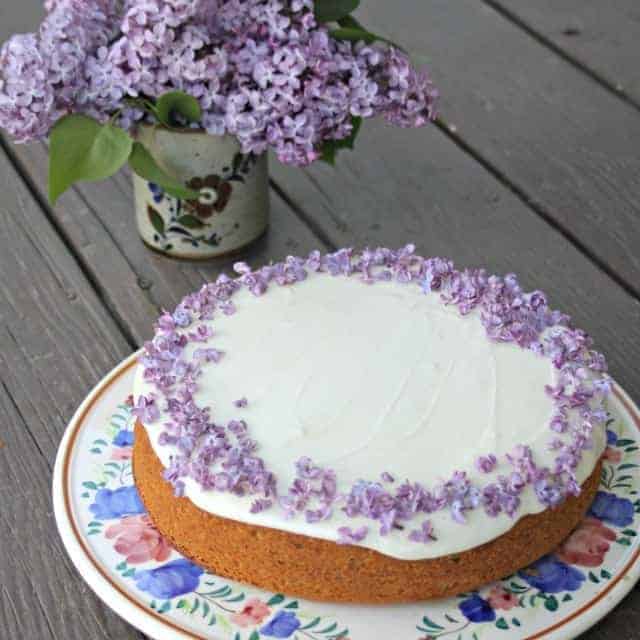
98, 222
604, 38
57, 341
561, 138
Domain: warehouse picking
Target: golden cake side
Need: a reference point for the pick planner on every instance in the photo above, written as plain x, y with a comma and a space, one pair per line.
319, 569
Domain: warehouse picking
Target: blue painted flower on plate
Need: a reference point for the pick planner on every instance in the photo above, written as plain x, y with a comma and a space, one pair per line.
477, 609
170, 580
549, 575
283, 625
610, 508
110, 503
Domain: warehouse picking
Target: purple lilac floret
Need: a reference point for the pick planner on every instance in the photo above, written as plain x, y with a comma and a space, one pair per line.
424, 534
224, 457
486, 464
352, 536
262, 70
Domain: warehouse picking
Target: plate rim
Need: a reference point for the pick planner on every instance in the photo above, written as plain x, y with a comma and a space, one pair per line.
134, 612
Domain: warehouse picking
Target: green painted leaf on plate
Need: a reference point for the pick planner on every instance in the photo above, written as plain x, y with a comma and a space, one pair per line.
551, 603
501, 623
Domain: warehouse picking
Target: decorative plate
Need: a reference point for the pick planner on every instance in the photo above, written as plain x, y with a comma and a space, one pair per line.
132, 568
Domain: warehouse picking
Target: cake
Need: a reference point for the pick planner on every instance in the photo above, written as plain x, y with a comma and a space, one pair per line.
367, 427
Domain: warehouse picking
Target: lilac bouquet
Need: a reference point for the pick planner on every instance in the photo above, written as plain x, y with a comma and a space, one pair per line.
296, 76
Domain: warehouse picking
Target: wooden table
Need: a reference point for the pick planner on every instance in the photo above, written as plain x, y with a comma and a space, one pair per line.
533, 167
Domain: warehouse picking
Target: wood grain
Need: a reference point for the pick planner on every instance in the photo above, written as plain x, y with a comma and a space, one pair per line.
558, 136
57, 341
603, 38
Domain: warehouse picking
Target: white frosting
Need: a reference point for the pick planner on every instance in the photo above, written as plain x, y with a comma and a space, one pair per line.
365, 379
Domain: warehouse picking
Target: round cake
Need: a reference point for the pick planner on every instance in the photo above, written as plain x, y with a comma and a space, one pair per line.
367, 427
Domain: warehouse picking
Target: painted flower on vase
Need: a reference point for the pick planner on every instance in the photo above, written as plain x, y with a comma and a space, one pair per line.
612, 438
477, 609
550, 575
157, 192
124, 438
138, 540
116, 503
253, 613
610, 508
588, 544
214, 195
500, 598
283, 625
170, 580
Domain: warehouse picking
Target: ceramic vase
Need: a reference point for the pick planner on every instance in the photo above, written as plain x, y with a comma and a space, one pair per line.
232, 209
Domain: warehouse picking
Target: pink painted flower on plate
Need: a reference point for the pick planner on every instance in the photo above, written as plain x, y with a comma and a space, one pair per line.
588, 544
138, 540
612, 455
121, 453
500, 598
253, 613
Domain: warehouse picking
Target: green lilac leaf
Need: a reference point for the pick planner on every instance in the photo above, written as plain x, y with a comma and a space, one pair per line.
334, 10
82, 149
551, 603
275, 599
178, 102
146, 167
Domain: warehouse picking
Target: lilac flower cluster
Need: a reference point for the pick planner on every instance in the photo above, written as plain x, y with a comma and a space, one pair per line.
223, 458
262, 70
313, 491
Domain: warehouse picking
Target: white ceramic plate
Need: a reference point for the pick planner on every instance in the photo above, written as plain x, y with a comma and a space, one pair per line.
129, 566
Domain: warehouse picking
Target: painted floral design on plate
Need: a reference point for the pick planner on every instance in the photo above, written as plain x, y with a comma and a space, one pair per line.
111, 517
